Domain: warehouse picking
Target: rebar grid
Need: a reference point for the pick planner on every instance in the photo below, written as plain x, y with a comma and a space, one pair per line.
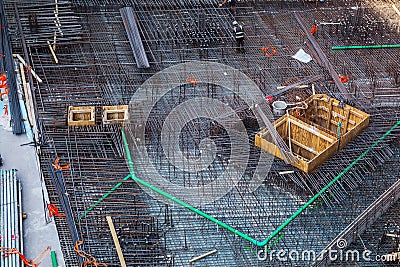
97, 68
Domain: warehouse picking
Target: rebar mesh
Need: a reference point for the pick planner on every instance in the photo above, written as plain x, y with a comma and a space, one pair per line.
97, 68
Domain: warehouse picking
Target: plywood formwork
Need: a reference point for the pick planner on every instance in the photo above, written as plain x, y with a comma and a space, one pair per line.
115, 114
316, 132
81, 116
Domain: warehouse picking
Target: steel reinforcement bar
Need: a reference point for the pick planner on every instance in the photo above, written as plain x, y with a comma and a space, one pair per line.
231, 229
362, 222
7, 64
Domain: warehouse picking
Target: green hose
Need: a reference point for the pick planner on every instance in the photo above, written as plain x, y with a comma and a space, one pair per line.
103, 197
345, 47
54, 259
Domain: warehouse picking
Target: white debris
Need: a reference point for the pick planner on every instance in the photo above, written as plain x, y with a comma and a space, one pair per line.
302, 56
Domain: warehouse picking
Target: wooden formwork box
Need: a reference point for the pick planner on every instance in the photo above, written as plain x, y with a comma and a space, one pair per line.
115, 114
81, 116
317, 132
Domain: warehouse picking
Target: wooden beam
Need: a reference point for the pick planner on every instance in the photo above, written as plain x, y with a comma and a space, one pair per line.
285, 172
279, 123
29, 104
346, 122
362, 116
336, 104
304, 147
26, 65
328, 122
338, 115
396, 9
315, 132
336, 123
297, 87
27, 98
116, 242
393, 235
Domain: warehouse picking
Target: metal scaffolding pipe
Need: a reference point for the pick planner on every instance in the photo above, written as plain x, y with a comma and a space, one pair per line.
10, 217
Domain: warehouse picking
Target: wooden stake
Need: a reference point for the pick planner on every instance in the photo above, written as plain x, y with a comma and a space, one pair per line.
296, 87
396, 9
116, 242
392, 235
286, 172
27, 95
26, 65
203, 256
52, 52
29, 103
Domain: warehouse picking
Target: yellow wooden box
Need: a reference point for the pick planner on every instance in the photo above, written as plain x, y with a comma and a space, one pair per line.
81, 116
317, 132
115, 114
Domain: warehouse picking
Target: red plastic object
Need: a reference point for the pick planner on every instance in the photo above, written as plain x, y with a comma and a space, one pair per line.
270, 99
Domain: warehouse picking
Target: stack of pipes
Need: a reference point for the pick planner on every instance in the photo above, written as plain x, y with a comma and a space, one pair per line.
10, 217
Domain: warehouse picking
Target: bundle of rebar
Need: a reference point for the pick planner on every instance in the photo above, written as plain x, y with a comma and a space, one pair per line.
128, 17
7, 66
11, 235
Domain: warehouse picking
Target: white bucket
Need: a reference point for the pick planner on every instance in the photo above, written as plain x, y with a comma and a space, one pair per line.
279, 107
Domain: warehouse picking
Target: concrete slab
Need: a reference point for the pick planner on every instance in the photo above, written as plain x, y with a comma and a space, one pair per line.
38, 234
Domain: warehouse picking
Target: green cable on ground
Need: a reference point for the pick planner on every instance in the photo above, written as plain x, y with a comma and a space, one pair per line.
103, 197
54, 259
231, 229
345, 47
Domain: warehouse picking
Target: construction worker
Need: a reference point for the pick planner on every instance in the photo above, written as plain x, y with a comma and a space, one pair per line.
232, 5
239, 36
